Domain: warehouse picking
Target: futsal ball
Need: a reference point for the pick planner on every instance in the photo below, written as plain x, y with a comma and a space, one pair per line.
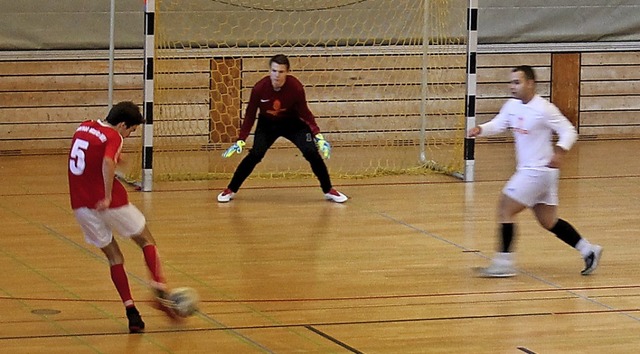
185, 300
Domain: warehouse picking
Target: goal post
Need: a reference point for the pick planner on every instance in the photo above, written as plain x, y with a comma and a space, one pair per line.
146, 172
386, 80
468, 173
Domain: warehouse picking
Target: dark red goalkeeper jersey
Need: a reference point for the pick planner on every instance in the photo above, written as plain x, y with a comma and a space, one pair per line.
290, 102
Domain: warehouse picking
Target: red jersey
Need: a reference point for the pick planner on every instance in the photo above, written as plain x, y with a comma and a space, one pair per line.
290, 102
92, 142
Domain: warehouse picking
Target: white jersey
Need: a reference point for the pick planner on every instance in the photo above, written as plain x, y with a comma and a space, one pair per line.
532, 125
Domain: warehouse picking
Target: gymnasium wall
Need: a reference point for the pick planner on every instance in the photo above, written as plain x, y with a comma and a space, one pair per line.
42, 101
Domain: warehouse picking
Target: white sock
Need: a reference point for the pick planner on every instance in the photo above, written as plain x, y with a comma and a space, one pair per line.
584, 247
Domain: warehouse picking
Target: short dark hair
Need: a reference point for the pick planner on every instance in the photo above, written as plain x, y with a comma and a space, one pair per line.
127, 112
528, 71
279, 59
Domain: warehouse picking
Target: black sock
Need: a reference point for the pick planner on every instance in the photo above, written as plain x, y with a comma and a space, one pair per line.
566, 233
507, 236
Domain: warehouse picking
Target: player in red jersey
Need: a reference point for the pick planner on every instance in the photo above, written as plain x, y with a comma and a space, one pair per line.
282, 103
100, 202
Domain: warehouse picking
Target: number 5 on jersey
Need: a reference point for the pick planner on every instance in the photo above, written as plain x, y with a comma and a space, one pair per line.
76, 162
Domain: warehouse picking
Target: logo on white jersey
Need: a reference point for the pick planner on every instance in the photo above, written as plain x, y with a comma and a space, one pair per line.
519, 128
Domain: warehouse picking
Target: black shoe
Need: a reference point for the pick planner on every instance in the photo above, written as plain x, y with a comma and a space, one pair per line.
136, 325
591, 261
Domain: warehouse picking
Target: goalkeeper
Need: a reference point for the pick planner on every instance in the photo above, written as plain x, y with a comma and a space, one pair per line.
282, 103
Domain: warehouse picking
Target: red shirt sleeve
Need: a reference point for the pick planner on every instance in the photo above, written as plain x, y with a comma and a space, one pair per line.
249, 114
113, 146
303, 108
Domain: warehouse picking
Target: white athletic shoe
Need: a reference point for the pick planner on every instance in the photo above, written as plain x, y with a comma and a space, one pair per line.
591, 261
335, 196
497, 271
225, 196
501, 267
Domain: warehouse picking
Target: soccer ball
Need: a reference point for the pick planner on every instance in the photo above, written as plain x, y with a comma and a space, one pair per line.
185, 300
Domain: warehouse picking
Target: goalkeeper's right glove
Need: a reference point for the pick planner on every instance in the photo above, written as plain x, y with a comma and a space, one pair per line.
323, 146
237, 147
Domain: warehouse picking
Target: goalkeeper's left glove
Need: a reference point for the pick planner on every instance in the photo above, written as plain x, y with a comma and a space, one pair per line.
235, 148
323, 146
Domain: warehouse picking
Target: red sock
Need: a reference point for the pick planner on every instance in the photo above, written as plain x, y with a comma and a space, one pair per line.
152, 259
120, 280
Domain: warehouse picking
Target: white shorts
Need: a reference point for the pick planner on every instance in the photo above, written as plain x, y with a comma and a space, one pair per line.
97, 225
531, 187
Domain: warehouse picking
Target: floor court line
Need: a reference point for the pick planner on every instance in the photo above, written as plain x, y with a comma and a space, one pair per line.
529, 274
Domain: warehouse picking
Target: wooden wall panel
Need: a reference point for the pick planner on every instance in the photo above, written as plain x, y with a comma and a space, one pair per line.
66, 67
610, 92
40, 100
565, 84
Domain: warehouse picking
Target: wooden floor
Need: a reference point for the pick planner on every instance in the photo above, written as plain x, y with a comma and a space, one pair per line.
280, 270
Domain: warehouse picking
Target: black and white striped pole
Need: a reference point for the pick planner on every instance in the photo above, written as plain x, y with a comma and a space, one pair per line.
147, 132
470, 96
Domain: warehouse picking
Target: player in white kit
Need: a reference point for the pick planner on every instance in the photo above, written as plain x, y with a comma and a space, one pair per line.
532, 120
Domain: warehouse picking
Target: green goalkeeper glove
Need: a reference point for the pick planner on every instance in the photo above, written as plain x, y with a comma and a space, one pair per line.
323, 146
235, 148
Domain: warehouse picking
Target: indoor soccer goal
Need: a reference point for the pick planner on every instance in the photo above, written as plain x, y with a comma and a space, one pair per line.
385, 79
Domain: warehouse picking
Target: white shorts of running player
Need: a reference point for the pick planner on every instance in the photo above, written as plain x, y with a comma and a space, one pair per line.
531, 187
98, 226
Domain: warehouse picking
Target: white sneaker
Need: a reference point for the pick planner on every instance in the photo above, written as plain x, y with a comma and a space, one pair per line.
335, 196
225, 196
497, 271
591, 261
501, 267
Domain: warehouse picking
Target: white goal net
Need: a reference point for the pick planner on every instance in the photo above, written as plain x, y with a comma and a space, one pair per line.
384, 78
